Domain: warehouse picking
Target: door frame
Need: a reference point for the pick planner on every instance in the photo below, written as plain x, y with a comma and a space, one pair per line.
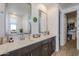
59, 28
68, 10
65, 30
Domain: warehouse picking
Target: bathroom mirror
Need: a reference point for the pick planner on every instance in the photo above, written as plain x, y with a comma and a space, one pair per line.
18, 17
43, 22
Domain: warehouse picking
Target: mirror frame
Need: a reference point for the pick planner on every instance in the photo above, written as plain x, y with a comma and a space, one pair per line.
40, 11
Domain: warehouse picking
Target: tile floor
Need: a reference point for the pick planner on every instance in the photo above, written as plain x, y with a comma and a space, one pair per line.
68, 50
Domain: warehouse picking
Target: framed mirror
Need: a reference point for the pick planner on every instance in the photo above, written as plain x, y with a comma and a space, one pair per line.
43, 25
18, 16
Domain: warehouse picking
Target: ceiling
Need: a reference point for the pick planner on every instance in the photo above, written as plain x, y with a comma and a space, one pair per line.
49, 5
67, 5
21, 8
62, 5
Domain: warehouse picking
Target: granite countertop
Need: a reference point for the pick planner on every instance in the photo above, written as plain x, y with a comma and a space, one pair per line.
7, 47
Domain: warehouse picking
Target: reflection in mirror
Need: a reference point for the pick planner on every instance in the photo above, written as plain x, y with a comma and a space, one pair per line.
18, 19
43, 22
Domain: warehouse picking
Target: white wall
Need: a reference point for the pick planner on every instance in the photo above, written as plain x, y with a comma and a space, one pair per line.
2, 21
53, 23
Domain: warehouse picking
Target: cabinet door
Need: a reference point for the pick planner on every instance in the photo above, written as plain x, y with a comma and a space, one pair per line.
53, 43
36, 52
45, 50
24, 51
50, 47
35, 49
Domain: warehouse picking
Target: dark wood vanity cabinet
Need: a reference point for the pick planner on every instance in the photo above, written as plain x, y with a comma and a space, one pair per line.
43, 48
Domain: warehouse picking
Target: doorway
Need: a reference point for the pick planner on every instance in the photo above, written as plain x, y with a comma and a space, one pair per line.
71, 28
